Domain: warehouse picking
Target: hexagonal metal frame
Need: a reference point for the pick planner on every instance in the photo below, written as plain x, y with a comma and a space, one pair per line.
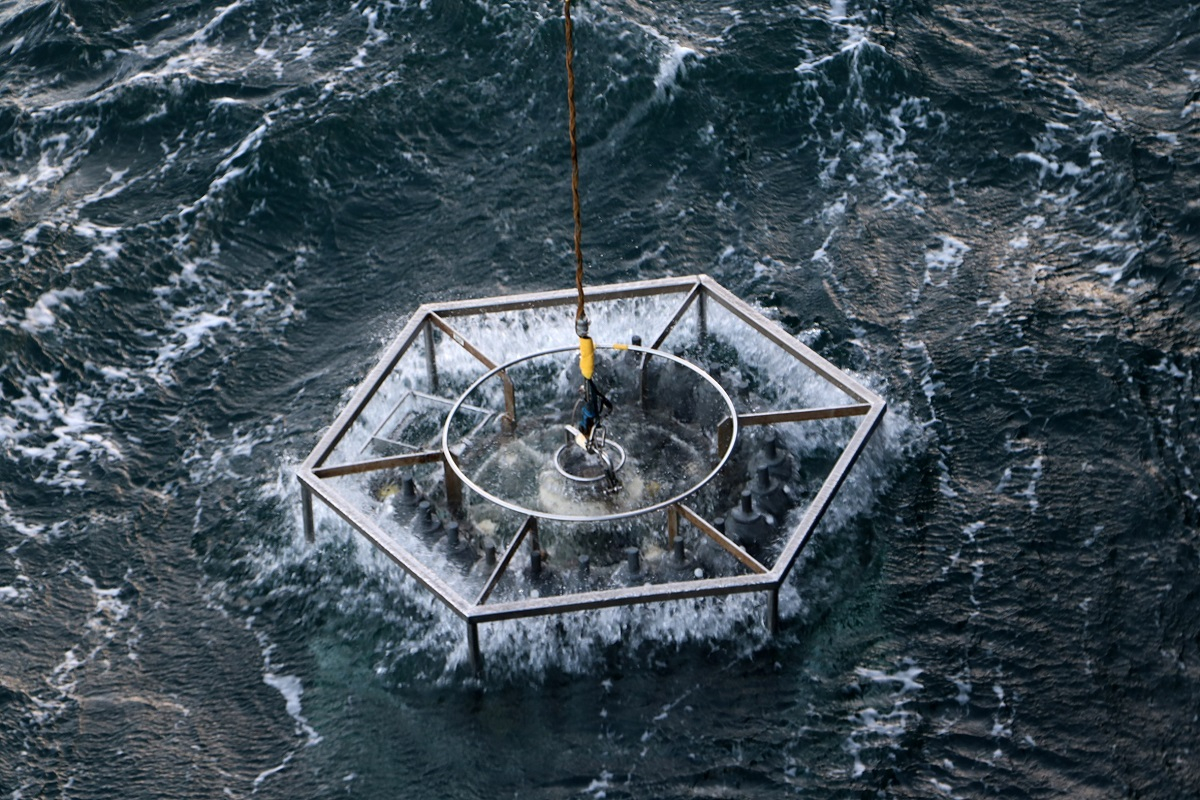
314, 473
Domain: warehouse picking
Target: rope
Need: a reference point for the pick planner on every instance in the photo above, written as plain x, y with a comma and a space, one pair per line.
579, 312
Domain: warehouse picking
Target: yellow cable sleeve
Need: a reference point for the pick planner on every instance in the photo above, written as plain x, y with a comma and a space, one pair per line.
587, 356
620, 347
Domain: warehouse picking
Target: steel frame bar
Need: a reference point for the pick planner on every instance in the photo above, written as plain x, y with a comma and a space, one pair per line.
627, 596
773, 610
387, 462
528, 526
430, 356
678, 315
725, 426
510, 395
786, 342
562, 297
306, 510
802, 414
376, 435
401, 556
366, 391
727, 544
820, 503
662, 337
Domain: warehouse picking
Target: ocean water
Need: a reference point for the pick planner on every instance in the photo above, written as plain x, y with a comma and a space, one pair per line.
214, 215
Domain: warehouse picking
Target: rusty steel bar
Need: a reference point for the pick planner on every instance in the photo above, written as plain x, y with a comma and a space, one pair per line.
510, 395
820, 503
803, 414
367, 390
724, 541
612, 598
566, 297
787, 342
387, 544
387, 462
527, 527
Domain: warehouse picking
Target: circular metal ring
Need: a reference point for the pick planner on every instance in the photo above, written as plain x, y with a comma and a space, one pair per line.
579, 478
637, 512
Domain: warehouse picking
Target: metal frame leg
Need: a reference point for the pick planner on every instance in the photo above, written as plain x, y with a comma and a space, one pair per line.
473, 648
306, 504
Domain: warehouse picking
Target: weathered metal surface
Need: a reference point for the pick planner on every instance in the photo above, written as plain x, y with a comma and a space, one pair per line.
373, 464
624, 596
820, 504
403, 557
727, 544
527, 527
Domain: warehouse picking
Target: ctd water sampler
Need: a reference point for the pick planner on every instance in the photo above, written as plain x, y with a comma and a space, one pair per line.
480, 460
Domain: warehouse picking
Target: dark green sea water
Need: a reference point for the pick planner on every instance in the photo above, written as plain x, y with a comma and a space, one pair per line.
214, 215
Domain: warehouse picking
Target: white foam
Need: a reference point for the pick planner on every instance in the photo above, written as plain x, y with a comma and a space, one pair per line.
1030, 491
219, 17
266, 773
964, 691
905, 680
292, 690
194, 326
108, 604
873, 728
856, 40
942, 788
115, 184
40, 316
945, 259
671, 67
822, 252
11, 521
998, 306
375, 37
599, 787
99, 633
60, 433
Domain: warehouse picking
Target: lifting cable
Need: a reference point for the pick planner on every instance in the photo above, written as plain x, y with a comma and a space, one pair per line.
587, 348
579, 311
595, 404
